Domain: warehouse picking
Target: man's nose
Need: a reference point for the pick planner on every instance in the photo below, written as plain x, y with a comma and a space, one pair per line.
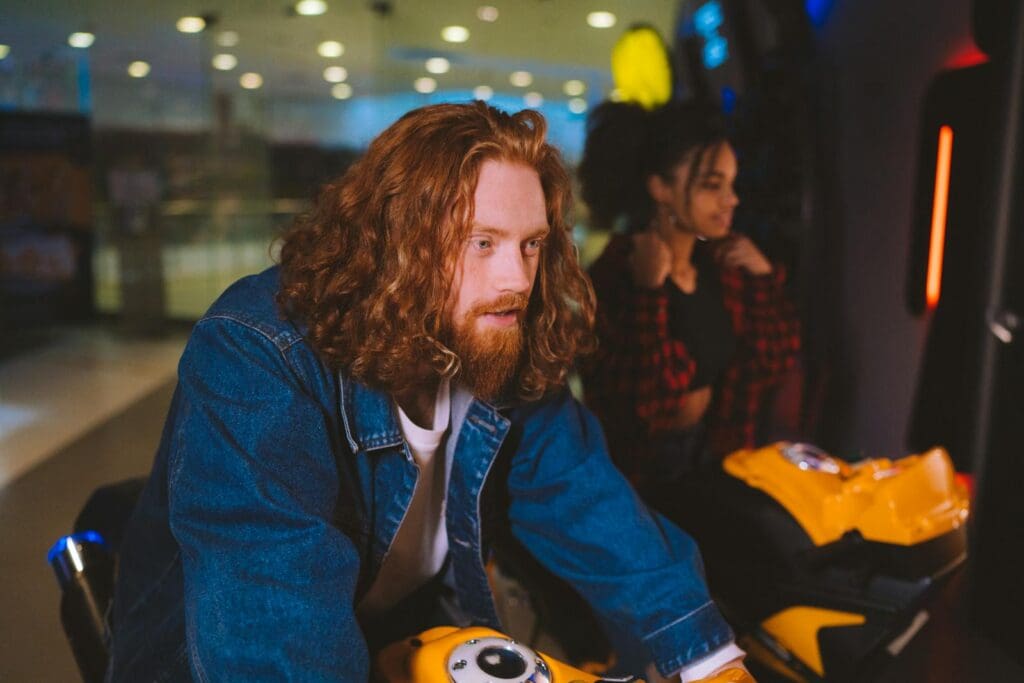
513, 273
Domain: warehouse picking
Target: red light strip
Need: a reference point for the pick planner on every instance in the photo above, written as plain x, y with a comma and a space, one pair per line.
940, 203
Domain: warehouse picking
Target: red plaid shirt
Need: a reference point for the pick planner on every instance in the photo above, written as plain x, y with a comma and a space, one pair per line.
638, 379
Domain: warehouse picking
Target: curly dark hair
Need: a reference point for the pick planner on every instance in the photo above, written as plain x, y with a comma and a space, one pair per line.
369, 269
627, 144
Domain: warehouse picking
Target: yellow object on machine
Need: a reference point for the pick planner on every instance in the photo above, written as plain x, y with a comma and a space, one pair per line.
797, 629
902, 502
476, 654
640, 68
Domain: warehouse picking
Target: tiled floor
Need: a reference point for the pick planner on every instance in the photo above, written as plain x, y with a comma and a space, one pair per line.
50, 396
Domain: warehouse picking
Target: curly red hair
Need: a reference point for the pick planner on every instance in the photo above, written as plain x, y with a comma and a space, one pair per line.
368, 270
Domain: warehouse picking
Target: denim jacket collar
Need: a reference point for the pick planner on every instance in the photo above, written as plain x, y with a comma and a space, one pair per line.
368, 416
370, 420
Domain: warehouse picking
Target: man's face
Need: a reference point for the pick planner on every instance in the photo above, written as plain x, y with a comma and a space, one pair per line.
495, 274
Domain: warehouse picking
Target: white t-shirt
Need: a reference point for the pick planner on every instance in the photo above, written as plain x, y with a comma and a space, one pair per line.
421, 543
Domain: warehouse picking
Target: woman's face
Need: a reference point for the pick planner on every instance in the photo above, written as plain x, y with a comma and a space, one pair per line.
705, 208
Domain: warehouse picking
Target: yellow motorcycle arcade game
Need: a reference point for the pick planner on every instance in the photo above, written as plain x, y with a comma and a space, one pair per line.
824, 567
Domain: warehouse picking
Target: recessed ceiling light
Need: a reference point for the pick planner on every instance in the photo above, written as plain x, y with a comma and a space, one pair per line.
601, 19
520, 79
487, 13
341, 91
330, 49
455, 34
81, 39
574, 88
310, 8
227, 38
533, 99
425, 85
250, 80
577, 105
483, 92
4, 51
191, 24
224, 62
138, 69
438, 65
335, 74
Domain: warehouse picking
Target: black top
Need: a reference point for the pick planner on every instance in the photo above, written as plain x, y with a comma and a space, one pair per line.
700, 321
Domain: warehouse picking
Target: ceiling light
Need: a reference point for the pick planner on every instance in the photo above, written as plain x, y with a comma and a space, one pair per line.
425, 85
191, 24
138, 69
574, 88
483, 92
81, 39
533, 99
227, 38
341, 91
330, 49
455, 34
250, 80
335, 74
224, 62
4, 51
577, 105
310, 8
438, 65
601, 19
520, 79
487, 13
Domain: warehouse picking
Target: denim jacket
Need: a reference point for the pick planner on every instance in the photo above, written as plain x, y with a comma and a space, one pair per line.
279, 485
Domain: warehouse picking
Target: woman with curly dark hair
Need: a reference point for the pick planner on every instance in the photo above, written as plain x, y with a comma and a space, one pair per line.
355, 430
693, 324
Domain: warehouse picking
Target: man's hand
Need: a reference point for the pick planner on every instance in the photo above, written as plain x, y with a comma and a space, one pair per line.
650, 261
737, 251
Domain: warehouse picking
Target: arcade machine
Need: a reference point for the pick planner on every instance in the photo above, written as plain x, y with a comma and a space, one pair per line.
966, 278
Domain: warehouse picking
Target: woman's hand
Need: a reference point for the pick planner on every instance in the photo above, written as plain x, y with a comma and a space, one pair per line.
738, 251
650, 261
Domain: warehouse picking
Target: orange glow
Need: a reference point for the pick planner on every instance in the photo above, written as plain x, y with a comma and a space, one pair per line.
940, 203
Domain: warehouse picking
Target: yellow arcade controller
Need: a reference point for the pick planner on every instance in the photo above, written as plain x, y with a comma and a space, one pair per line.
481, 655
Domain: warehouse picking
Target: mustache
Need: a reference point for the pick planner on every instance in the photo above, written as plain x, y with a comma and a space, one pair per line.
505, 302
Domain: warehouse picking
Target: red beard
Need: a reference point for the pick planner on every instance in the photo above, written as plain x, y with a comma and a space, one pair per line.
489, 357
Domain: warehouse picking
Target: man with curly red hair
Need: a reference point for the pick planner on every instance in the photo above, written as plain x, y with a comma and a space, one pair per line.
354, 429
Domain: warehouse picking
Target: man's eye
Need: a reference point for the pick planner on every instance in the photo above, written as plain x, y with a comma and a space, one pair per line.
480, 244
534, 245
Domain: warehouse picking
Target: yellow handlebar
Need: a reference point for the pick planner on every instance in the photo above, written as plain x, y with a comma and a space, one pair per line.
468, 655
